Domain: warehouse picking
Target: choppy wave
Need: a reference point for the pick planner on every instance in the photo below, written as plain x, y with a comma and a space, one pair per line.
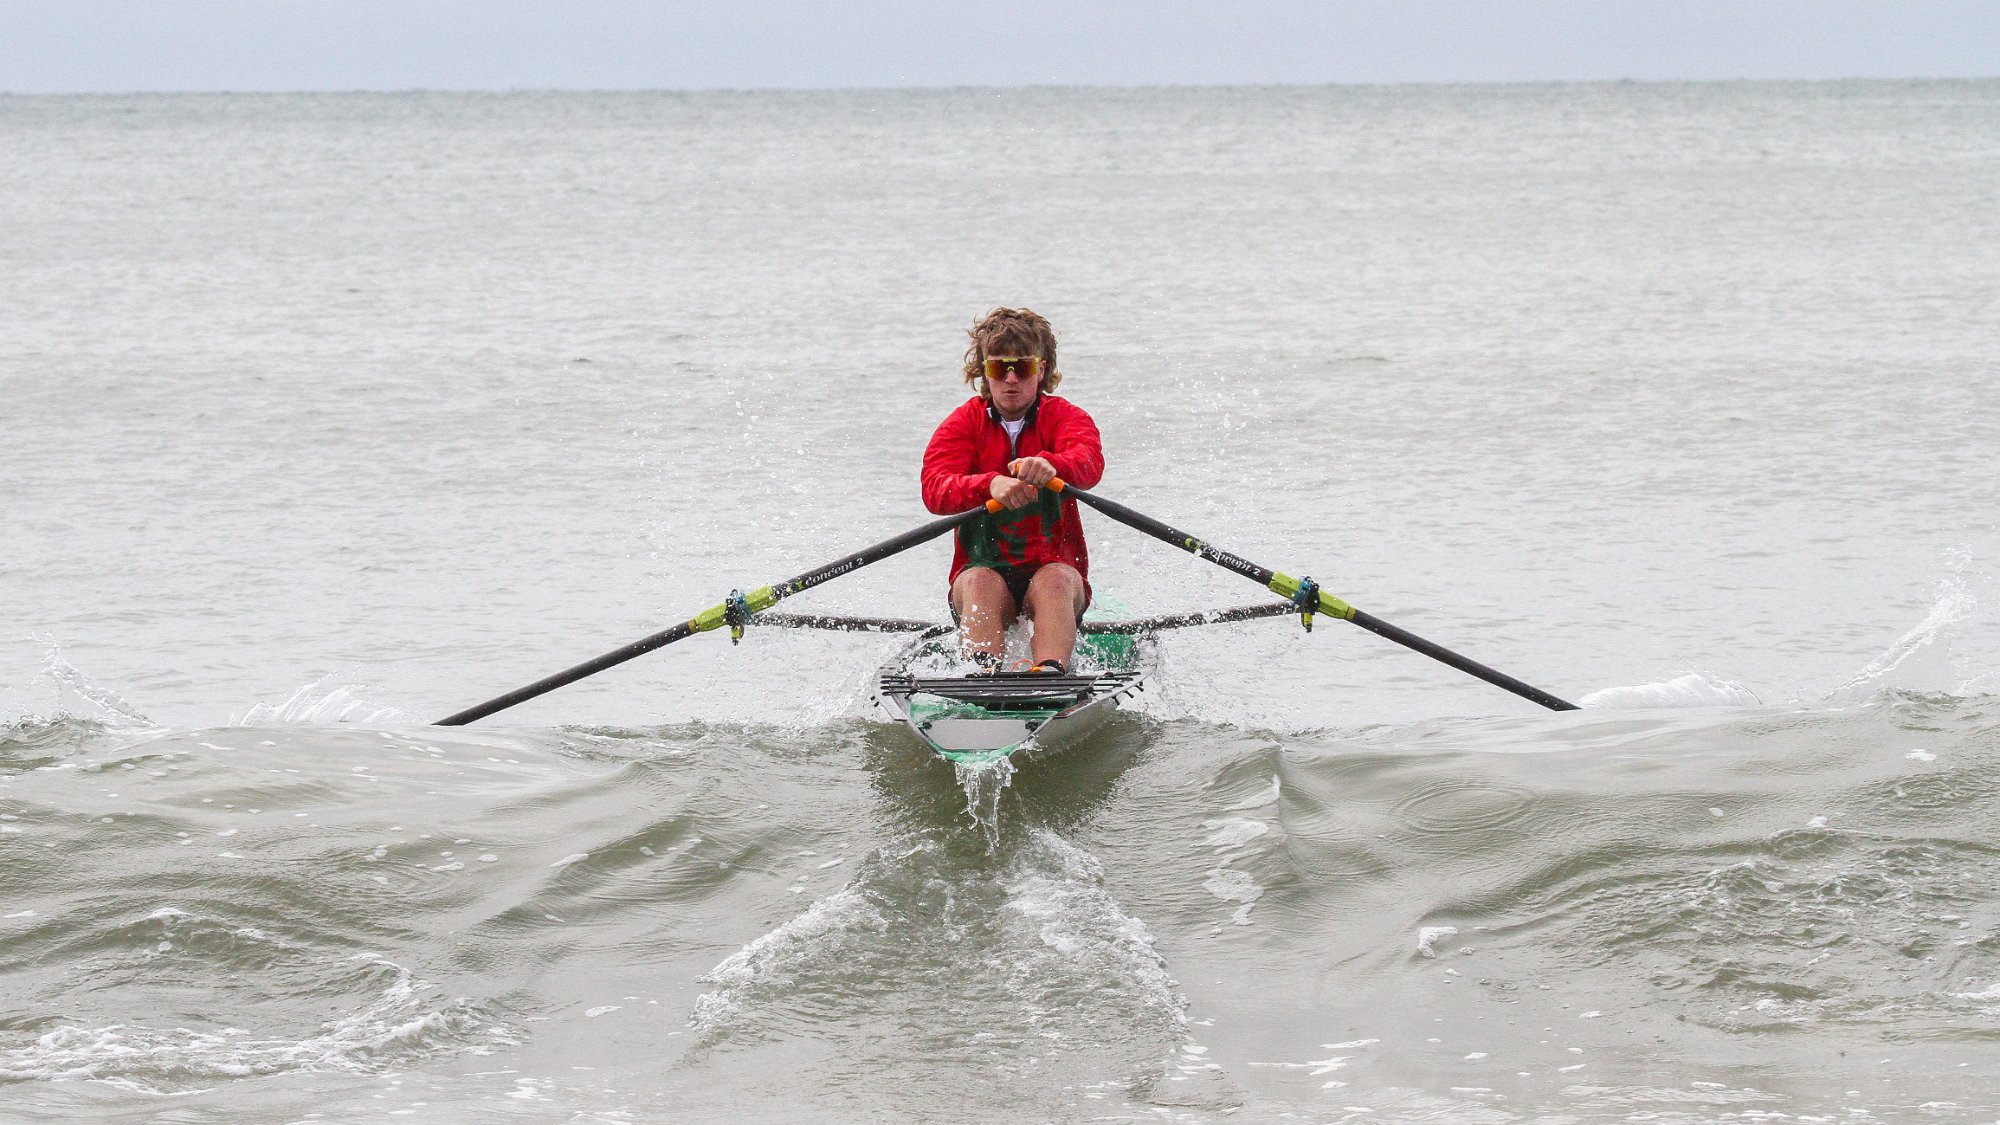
1452, 918
399, 1027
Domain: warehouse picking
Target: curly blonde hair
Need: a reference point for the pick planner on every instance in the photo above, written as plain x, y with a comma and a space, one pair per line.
1012, 332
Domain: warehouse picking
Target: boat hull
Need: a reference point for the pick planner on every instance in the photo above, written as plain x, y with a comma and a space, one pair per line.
980, 719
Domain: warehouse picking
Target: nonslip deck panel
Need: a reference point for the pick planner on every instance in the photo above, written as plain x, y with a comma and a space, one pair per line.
976, 720
1008, 689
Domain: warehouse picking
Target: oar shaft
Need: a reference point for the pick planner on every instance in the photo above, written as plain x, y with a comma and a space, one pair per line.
1188, 620
1195, 546
878, 552
842, 623
715, 616
1286, 586
1464, 664
571, 675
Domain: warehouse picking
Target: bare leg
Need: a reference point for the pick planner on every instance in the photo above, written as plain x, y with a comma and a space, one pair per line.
1054, 602
985, 609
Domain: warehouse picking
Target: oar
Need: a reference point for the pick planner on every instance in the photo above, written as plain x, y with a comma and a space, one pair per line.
1165, 621
1285, 586
717, 616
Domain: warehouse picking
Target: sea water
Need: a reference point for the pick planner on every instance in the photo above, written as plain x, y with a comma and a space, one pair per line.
330, 415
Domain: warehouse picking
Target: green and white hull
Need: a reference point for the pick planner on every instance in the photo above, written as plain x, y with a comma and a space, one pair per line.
979, 719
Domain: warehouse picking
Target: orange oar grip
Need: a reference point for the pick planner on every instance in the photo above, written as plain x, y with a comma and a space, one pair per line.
1055, 483
995, 506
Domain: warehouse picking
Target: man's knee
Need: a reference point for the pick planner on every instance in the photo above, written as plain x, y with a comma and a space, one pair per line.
979, 579
982, 589
1057, 576
1056, 585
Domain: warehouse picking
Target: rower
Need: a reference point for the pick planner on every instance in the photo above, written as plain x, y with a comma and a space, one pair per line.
1007, 441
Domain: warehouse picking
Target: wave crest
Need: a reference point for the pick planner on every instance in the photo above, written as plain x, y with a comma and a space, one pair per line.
1695, 689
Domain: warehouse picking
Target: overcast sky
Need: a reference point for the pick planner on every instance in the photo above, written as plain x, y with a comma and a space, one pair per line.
57, 46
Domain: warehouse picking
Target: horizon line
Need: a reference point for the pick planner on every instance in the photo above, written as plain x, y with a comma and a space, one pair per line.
504, 91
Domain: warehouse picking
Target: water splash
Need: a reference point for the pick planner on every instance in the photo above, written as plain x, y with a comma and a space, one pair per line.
1695, 689
73, 687
1058, 889
780, 956
983, 784
316, 702
1921, 658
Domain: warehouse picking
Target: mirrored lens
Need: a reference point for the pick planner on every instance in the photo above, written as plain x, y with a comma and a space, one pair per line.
1004, 368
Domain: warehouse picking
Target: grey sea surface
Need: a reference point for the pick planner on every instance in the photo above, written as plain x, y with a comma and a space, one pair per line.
330, 415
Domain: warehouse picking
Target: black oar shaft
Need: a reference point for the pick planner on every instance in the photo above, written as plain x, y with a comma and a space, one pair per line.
877, 553
715, 616
1286, 586
1464, 664
1143, 522
571, 675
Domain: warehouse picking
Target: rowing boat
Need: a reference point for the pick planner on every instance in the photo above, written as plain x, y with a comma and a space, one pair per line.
979, 719
990, 718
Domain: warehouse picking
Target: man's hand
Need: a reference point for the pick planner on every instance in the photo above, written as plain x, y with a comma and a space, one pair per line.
1013, 493
1034, 470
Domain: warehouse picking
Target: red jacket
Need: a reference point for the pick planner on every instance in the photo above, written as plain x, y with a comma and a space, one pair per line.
970, 448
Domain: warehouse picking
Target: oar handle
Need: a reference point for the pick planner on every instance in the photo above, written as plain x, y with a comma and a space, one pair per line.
1055, 483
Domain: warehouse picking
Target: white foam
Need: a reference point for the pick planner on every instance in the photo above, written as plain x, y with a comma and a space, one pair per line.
1232, 833
1921, 756
1317, 1067
1694, 689
1234, 886
1428, 936
168, 1060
